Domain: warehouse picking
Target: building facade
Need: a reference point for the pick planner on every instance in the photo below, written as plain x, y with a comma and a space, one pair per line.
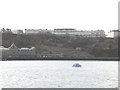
36, 31
14, 52
19, 31
97, 33
113, 33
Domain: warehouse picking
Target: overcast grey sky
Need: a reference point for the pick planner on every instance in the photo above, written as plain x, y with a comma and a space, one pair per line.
50, 14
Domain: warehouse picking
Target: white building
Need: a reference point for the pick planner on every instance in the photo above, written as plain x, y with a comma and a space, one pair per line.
97, 33
113, 34
19, 31
36, 31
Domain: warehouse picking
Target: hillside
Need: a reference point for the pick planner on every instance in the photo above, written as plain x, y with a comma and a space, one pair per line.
69, 46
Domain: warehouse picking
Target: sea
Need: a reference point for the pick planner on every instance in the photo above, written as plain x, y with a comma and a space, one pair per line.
58, 74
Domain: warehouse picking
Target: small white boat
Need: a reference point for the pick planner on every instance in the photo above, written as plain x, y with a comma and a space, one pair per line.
76, 65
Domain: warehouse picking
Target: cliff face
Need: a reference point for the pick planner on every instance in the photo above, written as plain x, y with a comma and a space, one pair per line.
68, 46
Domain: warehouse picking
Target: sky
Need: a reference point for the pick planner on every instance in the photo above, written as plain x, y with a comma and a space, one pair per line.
50, 14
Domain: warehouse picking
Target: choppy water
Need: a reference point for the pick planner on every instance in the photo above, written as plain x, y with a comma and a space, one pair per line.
58, 74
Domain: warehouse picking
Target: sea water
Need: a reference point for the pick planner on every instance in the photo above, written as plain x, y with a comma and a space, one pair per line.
58, 74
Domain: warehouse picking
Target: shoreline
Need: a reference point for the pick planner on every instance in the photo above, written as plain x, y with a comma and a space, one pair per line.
63, 59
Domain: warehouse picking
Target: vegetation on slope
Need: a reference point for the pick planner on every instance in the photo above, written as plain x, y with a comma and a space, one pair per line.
69, 46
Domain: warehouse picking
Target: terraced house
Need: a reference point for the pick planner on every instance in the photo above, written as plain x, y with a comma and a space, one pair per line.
14, 52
